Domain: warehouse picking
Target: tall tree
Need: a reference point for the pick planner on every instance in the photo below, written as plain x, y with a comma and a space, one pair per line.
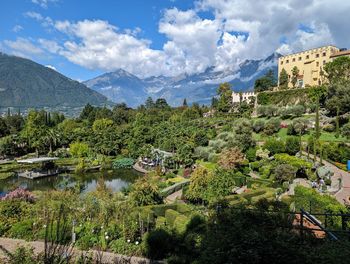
283, 80
295, 74
266, 82
225, 97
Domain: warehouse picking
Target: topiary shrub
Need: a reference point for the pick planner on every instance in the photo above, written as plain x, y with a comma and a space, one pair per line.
170, 216
160, 222
158, 244
180, 224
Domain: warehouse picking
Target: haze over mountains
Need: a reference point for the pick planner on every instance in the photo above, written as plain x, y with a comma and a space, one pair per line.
121, 86
24, 83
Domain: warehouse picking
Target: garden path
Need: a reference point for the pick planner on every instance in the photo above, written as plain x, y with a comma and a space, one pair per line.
10, 245
174, 196
343, 194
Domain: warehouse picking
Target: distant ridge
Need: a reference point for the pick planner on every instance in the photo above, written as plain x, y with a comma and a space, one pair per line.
24, 83
121, 86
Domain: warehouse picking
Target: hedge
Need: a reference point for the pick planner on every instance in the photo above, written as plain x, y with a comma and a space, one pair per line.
160, 222
284, 97
174, 188
170, 216
180, 223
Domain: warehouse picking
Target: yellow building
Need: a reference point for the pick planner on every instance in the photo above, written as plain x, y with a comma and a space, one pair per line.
310, 64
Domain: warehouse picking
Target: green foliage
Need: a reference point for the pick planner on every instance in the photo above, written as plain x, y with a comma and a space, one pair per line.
284, 172
284, 97
123, 163
272, 126
258, 125
158, 244
295, 75
293, 161
101, 124
225, 97
292, 145
265, 83
251, 154
145, 192
170, 216
274, 146
283, 79
346, 130
79, 149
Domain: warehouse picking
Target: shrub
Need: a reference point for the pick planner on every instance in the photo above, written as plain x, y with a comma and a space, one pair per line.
328, 128
19, 194
272, 126
274, 146
123, 163
170, 216
180, 224
160, 222
203, 152
158, 244
121, 246
284, 172
292, 145
259, 125
298, 126
251, 154
346, 131
22, 230
79, 149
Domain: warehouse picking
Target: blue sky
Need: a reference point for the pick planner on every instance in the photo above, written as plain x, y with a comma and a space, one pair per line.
83, 39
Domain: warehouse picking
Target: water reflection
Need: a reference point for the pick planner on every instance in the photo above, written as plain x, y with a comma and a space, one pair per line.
115, 180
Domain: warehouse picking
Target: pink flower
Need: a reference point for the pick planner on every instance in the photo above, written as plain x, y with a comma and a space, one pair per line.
19, 194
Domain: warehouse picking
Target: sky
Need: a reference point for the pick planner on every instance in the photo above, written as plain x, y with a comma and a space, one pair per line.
85, 38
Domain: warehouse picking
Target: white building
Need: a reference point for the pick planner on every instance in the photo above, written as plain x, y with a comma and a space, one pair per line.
238, 97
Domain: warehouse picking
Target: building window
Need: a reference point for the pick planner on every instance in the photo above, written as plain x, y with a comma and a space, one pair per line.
317, 55
300, 58
287, 61
317, 64
281, 62
293, 59
307, 57
324, 62
324, 54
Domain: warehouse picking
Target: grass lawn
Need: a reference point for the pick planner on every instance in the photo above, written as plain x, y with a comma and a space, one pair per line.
325, 136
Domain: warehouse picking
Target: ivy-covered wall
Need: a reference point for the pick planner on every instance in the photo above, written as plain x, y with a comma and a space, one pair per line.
284, 97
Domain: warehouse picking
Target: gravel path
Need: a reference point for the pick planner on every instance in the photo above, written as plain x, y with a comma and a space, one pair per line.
343, 194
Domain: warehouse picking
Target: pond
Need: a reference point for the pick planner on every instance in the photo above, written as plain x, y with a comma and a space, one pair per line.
115, 180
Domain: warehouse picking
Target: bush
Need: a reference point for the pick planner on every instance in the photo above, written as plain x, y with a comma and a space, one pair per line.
121, 246
180, 224
298, 126
170, 216
123, 163
274, 146
251, 154
272, 126
79, 149
259, 125
158, 244
328, 128
22, 230
284, 172
160, 222
292, 145
346, 131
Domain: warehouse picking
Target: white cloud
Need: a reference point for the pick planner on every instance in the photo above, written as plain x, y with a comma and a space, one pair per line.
44, 3
51, 67
17, 28
238, 30
23, 47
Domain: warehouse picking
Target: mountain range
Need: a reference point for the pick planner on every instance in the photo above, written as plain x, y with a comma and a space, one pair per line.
122, 86
24, 83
